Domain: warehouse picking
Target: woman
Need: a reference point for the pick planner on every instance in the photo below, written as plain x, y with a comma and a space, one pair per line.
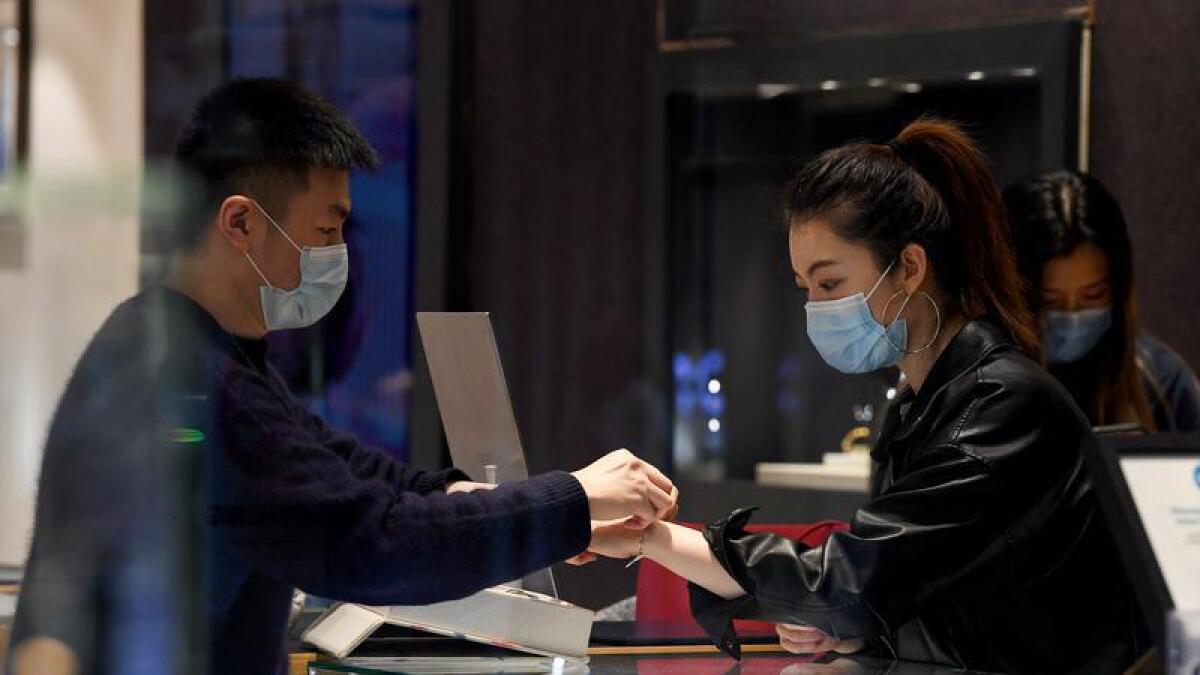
1074, 249
980, 545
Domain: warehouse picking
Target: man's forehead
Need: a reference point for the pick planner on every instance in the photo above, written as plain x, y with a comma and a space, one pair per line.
328, 190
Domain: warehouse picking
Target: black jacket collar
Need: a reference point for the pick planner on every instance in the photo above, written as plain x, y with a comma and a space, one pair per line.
974, 342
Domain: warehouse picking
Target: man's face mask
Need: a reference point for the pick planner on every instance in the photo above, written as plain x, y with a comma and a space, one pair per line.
323, 274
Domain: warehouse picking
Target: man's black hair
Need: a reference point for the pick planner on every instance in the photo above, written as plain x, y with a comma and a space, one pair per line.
260, 137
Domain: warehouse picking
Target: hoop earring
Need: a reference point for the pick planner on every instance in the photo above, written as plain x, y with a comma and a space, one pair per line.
936, 311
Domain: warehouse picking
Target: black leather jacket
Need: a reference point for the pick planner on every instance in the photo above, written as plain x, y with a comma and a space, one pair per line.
981, 545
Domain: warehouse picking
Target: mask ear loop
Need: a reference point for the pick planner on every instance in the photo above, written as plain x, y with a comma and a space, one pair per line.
936, 310
276, 224
880, 281
260, 274
281, 231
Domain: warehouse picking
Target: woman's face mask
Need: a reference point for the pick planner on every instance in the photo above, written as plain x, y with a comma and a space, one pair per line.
1076, 303
849, 337
1069, 336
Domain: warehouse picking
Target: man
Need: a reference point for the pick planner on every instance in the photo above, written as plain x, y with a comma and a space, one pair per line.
176, 384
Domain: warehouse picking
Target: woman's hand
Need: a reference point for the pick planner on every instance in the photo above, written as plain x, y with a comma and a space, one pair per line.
613, 539
809, 640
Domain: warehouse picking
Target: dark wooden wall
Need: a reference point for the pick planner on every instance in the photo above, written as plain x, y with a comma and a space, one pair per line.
1145, 147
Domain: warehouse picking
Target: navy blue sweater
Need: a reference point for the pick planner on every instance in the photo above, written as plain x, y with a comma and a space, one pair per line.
283, 501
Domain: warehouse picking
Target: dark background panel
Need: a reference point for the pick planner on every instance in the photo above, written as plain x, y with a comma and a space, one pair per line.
1145, 147
558, 130
555, 251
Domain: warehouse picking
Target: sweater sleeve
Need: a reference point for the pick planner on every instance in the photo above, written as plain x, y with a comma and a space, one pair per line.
343, 522
368, 462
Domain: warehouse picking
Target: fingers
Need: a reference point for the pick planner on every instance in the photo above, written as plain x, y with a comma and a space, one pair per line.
801, 647
658, 478
620, 484
661, 501
662, 492
808, 640
849, 646
796, 631
643, 509
671, 514
803, 639
674, 510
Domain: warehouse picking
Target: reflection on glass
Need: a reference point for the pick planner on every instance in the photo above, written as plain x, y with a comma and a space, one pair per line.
12, 244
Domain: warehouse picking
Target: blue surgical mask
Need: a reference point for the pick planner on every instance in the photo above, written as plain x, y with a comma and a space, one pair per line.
849, 337
1069, 336
323, 274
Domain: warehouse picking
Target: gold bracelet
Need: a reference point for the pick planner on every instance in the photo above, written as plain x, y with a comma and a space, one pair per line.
640, 550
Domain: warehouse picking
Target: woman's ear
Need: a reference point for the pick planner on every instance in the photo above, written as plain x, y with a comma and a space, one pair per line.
914, 267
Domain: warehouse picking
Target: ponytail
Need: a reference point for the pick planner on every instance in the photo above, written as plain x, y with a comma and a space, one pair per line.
930, 186
986, 268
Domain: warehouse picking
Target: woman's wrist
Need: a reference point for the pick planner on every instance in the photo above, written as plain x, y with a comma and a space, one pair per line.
656, 539
686, 552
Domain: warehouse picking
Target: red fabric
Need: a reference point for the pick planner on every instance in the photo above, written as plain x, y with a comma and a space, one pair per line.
662, 596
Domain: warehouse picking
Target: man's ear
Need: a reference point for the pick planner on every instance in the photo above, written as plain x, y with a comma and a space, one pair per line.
233, 221
914, 267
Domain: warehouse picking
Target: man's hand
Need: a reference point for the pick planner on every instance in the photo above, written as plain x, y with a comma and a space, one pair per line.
620, 486
808, 640
468, 486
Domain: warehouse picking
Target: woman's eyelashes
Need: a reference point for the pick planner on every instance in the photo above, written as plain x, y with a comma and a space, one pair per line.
823, 287
1086, 300
818, 290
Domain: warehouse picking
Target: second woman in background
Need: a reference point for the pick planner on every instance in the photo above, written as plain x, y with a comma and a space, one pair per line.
1074, 251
